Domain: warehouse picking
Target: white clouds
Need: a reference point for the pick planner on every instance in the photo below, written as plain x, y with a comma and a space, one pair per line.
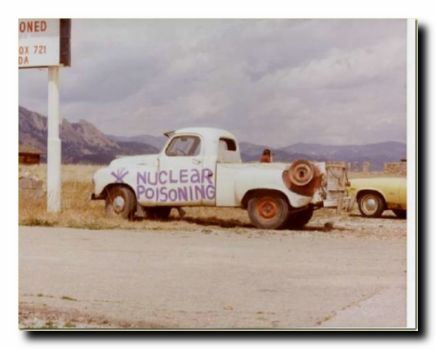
343, 68
313, 81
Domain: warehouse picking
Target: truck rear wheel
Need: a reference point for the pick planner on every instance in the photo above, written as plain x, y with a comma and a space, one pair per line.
299, 219
120, 201
269, 211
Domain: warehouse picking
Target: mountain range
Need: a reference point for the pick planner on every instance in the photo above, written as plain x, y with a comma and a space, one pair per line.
82, 142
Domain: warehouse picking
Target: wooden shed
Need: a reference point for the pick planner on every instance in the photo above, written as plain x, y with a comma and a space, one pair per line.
29, 156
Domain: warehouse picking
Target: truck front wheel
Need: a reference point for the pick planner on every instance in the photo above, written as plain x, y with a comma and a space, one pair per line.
120, 201
269, 211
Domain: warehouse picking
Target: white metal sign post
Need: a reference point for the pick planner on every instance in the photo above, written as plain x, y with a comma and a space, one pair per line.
53, 143
46, 43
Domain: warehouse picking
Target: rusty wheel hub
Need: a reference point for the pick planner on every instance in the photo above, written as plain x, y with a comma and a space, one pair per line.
267, 208
301, 172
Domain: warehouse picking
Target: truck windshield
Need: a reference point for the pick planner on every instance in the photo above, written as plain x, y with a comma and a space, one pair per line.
184, 146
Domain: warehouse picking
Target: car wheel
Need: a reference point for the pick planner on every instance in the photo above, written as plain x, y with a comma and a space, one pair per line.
268, 211
161, 212
120, 201
299, 219
400, 213
371, 205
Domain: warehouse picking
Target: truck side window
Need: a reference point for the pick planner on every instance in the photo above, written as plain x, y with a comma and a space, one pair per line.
227, 151
227, 144
184, 146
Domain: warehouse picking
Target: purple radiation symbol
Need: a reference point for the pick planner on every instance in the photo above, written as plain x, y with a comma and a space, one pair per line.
119, 175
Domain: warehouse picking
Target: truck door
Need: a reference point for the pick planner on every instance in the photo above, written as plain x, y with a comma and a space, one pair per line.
182, 177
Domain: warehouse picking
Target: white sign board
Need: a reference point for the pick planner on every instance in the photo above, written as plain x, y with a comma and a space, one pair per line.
39, 42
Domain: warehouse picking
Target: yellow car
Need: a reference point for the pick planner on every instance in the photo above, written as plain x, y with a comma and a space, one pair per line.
375, 195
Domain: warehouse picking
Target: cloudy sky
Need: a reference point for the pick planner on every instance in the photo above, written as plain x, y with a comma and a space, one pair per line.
274, 82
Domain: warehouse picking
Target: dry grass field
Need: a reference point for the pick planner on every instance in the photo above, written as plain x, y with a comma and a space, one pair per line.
78, 211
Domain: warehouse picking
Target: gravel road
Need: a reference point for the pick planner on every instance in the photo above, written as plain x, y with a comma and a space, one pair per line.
212, 278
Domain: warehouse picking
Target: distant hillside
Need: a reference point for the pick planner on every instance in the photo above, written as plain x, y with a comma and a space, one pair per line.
82, 142
376, 153
349, 152
155, 141
251, 152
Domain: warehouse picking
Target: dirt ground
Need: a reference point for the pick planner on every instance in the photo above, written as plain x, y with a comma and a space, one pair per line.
350, 272
209, 269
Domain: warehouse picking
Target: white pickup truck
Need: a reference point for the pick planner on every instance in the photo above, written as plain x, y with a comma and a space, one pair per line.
203, 167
